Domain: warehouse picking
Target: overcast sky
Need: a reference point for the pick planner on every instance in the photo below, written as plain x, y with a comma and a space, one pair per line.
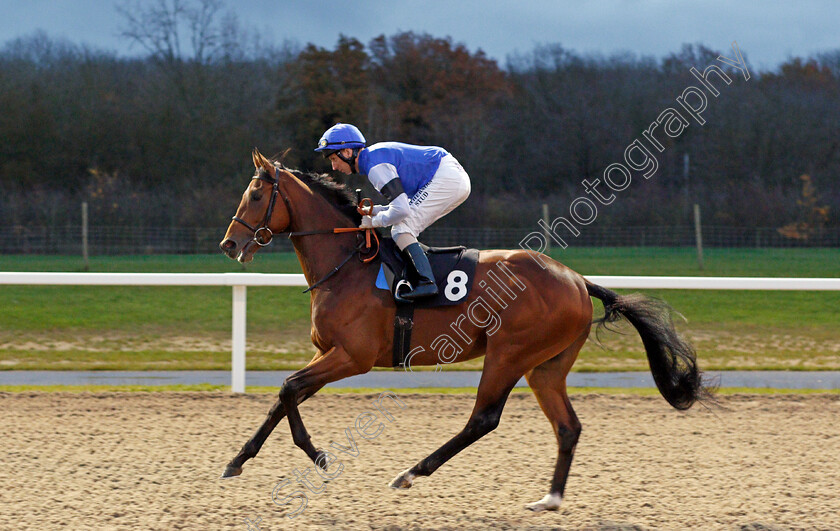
768, 32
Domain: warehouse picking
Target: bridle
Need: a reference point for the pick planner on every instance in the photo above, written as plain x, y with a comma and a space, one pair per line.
365, 207
275, 190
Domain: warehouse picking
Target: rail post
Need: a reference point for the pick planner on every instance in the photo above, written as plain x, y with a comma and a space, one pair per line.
237, 362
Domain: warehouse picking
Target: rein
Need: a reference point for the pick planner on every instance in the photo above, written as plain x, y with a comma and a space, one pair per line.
365, 208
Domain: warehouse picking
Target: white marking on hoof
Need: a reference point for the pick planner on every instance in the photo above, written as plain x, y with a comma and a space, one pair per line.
231, 472
550, 502
404, 480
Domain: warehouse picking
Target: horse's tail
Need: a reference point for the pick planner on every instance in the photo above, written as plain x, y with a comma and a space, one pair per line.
672, 359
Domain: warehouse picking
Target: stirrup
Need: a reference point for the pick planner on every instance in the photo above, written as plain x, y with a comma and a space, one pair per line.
402, 287
423, 290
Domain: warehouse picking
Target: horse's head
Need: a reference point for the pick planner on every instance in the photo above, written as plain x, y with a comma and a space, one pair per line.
262, 213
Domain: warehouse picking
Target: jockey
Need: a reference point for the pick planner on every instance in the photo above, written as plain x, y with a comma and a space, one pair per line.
421, 183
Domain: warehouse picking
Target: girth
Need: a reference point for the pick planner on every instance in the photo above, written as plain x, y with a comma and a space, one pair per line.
403, 323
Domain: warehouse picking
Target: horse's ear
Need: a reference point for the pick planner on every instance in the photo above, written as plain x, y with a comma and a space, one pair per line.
255, 156
261, 162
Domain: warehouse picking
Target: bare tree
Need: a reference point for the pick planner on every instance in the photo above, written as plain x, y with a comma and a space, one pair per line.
179, 30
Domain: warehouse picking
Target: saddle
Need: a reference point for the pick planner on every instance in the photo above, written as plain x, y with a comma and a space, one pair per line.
454, 270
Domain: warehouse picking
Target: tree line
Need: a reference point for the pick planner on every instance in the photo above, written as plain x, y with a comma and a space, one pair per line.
165, 138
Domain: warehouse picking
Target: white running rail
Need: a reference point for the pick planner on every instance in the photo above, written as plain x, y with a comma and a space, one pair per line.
240, 281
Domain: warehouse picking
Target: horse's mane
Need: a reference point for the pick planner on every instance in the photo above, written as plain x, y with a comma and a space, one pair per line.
337, 194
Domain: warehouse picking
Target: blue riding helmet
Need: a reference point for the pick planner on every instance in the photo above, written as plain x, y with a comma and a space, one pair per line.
341, 136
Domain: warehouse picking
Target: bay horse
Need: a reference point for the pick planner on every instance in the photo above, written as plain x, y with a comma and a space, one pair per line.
540, 336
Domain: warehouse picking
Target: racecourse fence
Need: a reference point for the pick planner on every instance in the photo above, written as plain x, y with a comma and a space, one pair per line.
240, 281
116, 240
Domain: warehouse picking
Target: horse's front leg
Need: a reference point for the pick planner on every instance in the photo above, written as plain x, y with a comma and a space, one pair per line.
252, 447
335, 365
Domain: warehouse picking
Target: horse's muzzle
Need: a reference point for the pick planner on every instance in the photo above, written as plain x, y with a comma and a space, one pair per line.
241, 253
229, 247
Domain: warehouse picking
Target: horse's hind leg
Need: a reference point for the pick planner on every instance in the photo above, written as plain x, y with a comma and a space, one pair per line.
493, 391
548, 381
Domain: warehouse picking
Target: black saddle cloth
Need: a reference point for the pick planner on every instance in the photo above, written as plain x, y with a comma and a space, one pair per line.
453, 267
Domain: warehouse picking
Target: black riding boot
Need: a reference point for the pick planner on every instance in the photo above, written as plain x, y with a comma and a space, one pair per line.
426, 286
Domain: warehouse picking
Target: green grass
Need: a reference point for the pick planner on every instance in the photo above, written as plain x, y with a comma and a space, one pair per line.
145, 308
675, 261
137, 328
128, 307
682, 261
184, 263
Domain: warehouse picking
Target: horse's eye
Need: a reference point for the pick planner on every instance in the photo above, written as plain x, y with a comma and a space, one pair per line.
256, 196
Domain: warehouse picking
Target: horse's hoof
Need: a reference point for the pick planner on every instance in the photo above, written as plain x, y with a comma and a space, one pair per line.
320, 459
231, 471
403, 481
550, 502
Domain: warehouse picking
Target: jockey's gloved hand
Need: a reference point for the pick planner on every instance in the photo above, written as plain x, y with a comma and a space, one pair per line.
367, 222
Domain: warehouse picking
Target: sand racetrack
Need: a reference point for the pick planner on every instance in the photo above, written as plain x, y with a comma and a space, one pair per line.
152, 461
